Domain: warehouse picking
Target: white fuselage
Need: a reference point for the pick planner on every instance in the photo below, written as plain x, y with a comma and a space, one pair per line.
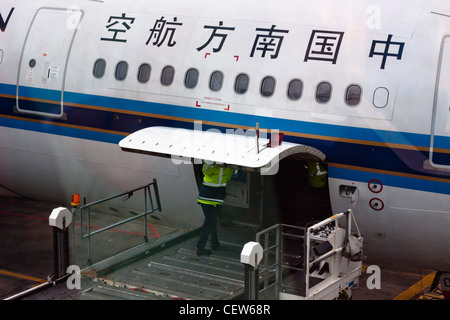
364, 83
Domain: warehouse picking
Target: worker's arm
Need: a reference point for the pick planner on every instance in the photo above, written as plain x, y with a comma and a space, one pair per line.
208, 168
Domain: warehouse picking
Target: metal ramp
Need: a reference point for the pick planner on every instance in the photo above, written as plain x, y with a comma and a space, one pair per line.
130, 263
174, 272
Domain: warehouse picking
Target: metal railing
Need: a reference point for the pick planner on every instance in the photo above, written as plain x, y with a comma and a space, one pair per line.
313, 259
279, 261
275, 258
150, 205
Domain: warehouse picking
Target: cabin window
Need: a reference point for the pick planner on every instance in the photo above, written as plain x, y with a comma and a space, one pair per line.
353, 95
295, 89
167, 75
99, 68
241, 83
267, 86
215, 83
323, 92
121, 70
144, 73
381, 97
191, 78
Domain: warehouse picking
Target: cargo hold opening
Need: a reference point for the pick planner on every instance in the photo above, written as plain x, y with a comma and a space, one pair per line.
259, 201
271, 184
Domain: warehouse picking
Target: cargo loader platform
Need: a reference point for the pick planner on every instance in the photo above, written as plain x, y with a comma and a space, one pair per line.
173, 271
166, 268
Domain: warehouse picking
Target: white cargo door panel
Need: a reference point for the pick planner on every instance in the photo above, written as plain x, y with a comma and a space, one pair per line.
213, 146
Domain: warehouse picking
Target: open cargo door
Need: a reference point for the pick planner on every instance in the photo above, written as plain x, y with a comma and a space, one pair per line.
244, 151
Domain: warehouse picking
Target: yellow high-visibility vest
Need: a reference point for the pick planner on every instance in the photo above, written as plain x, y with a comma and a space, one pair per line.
215, 179
215, 176
317, 175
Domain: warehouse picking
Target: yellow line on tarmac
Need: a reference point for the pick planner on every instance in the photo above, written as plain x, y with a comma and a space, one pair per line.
416, 288
22, 276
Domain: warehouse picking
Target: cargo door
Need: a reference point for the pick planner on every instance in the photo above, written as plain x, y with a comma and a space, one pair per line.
440, 126
43, 61
240, 150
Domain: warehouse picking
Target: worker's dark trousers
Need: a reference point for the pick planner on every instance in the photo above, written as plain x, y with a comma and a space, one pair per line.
209, 227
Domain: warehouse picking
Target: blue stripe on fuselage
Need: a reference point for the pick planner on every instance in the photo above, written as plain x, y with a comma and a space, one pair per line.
94, 124
393, 180
237, 119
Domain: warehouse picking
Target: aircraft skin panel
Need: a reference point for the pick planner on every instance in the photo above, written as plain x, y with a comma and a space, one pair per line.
390, 229
95, 170
392, 178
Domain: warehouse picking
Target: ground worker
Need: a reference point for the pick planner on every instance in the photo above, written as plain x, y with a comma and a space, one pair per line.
317, 175
212, 194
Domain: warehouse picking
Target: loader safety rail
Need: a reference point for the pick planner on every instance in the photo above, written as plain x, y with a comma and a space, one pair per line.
308, 262
151, 204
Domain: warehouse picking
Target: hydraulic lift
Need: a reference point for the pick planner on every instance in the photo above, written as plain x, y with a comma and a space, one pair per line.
319, 262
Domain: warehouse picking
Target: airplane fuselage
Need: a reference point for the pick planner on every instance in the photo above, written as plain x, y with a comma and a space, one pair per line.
366, 84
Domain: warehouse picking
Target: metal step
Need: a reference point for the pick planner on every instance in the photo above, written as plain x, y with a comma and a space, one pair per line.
214, 265
207, 277
184, 275
176, 272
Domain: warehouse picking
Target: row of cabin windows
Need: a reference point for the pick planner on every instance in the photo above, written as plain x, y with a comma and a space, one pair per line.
353, 93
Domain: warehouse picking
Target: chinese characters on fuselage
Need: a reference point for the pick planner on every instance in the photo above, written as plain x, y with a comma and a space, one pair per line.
323, 45
268, 42
161, 30
385, 52
118, 25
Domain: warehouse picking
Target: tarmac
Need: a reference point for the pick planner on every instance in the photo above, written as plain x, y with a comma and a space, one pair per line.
27, 259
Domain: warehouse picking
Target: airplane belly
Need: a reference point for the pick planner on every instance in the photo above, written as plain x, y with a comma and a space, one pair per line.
51, 168
422, 234
400, 226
